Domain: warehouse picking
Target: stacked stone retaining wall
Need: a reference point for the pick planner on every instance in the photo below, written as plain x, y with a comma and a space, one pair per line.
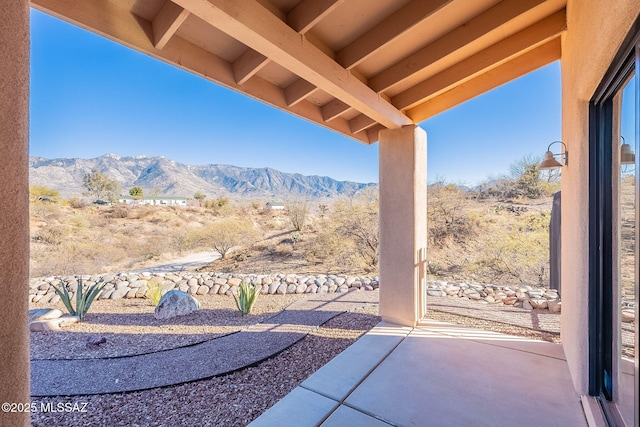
135, 285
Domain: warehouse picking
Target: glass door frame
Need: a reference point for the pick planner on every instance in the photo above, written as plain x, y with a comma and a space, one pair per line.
602, 312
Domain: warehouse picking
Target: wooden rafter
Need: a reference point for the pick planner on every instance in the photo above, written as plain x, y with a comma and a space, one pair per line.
309, 12
510, 70
167, 22
334, 109
297, 91
527, 39
248, 64
253, 25
360, 123
302, 18
113, 19
388, 30
487, 21
272, 35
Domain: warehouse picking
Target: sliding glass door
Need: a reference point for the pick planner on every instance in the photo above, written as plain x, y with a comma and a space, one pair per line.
613, 233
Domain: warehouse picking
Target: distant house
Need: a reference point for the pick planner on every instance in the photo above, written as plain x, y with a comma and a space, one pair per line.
275, 206
157, 201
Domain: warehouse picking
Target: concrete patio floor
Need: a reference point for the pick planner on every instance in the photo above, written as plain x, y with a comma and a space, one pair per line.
436, 374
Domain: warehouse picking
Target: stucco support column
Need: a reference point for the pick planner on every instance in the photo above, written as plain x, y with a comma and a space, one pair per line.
14, 209
403, 224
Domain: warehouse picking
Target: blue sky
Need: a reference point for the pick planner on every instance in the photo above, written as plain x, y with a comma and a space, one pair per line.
90, 96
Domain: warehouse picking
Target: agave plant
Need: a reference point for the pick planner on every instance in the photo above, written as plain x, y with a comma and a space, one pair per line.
84, 299
247, 296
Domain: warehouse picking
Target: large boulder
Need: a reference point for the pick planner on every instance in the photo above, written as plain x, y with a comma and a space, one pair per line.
175, 303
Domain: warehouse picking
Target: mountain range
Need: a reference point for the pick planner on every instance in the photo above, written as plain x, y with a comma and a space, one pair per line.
177, 179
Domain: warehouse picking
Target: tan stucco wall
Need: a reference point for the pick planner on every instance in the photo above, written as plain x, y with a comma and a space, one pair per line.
595, 32
14, 209
403, 223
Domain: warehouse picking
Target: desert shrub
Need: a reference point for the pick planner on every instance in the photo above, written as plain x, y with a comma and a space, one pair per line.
79, 220
447, 217
43, 193
519, 253
224, 234
154, 291
282, 249
77, 202
298, 211
357, 221
275, 224
219, 206
43, 210
119, 211
139, 211
525, 181
50, 235
178, 241
325, 248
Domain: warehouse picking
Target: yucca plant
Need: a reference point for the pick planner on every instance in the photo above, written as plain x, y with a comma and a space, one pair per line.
84, 299
247, 296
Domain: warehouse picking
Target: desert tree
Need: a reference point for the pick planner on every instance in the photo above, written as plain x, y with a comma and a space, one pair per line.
100, 187
226, 234
155, 191
136, 193
199, 196
357, 219
298, 211
447, 214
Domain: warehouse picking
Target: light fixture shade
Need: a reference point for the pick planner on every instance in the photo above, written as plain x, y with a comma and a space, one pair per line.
627, 157
549, 162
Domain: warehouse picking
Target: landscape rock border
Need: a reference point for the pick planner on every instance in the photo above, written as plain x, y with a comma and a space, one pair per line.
135, 285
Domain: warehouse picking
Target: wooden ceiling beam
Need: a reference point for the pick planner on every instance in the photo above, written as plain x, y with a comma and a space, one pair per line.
248, 64
334, 109
254, 26
302, 18
360, 123
297, 91
112, 19
166, 23
491, 79
388, 30
273, 9
527, 39
309, 12
482, 24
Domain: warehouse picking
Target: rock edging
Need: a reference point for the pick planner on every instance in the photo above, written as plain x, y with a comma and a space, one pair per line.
135, 285
525, 297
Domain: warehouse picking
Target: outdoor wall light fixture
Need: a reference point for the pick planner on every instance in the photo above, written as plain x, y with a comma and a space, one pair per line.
627, 157
550, 162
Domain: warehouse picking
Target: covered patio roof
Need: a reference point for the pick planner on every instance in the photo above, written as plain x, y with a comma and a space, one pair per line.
353, 66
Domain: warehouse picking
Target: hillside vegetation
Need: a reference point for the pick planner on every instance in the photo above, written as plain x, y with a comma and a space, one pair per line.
497, 233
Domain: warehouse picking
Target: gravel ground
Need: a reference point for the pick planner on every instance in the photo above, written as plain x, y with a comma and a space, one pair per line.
130, 328
237, 398
230, 400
